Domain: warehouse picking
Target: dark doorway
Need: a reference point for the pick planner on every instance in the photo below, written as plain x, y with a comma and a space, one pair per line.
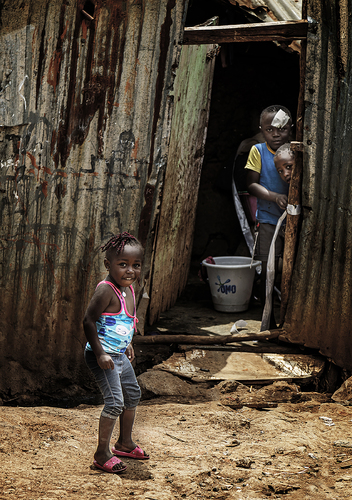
248, 77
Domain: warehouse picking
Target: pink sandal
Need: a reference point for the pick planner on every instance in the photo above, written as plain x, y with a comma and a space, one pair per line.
137, 453
109, 465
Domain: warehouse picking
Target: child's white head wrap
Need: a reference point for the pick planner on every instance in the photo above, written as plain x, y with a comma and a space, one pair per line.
280, 119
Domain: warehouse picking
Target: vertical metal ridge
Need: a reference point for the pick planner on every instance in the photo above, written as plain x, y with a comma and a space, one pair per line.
76, 111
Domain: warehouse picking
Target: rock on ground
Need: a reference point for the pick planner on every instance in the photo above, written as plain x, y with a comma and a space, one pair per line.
161, 383
344, 393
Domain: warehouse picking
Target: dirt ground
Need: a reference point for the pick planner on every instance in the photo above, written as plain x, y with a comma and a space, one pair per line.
301, 449
198, 451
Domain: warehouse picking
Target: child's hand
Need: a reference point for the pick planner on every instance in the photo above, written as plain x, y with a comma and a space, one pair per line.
281, 200
130, 352
105, 362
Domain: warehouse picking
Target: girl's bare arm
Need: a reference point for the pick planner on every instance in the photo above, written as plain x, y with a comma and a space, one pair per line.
98, 304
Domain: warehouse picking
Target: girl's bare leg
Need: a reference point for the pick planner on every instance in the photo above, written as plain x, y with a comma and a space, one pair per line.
125, 443
103, 453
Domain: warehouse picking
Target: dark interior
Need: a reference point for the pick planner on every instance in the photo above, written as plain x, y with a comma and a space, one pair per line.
248, 77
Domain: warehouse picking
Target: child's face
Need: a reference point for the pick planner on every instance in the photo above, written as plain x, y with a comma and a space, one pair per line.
125, 267
284, 164
275, 137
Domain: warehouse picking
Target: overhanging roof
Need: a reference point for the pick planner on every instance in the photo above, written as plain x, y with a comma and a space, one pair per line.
271, 10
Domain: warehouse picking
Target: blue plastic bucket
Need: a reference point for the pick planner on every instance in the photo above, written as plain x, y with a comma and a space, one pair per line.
231, 282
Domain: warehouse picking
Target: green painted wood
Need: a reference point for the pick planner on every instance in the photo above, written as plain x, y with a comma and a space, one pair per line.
172, 255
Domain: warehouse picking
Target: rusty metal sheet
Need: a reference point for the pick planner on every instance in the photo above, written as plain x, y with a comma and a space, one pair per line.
319, 313
200, 366
180, 192
84, 131
273, 10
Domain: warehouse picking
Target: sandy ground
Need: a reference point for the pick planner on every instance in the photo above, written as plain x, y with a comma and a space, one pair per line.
198, 451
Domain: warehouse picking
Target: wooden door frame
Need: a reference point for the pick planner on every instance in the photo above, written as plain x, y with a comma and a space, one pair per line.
280, 31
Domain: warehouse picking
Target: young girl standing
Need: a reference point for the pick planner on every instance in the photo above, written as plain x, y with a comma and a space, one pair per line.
109, 324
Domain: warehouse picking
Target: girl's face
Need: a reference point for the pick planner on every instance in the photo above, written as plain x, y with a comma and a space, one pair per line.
275, 137
125, 268
284, 164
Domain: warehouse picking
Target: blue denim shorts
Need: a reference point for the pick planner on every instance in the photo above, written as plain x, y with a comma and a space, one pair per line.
119, 386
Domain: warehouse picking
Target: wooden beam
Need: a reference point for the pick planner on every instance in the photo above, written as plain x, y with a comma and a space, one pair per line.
258, 406
184, 338
258, 347
281, 31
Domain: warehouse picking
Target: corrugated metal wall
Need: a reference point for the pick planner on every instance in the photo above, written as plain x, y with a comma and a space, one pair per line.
84, 115
319, 312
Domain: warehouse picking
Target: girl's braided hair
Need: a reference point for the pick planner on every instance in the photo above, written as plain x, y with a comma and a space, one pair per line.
119, 241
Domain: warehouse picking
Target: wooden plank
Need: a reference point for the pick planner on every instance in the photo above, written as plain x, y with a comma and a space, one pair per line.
267, 380
260, 347
282, 31
183, 338
258, 406
264, 380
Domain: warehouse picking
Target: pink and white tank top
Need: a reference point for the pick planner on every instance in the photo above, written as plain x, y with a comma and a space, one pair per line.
115, 330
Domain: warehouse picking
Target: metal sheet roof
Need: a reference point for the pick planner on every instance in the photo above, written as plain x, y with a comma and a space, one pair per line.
272, 10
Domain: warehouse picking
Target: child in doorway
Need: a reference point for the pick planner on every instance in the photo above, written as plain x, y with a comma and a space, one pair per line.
284, 161
271, 190
109, 324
